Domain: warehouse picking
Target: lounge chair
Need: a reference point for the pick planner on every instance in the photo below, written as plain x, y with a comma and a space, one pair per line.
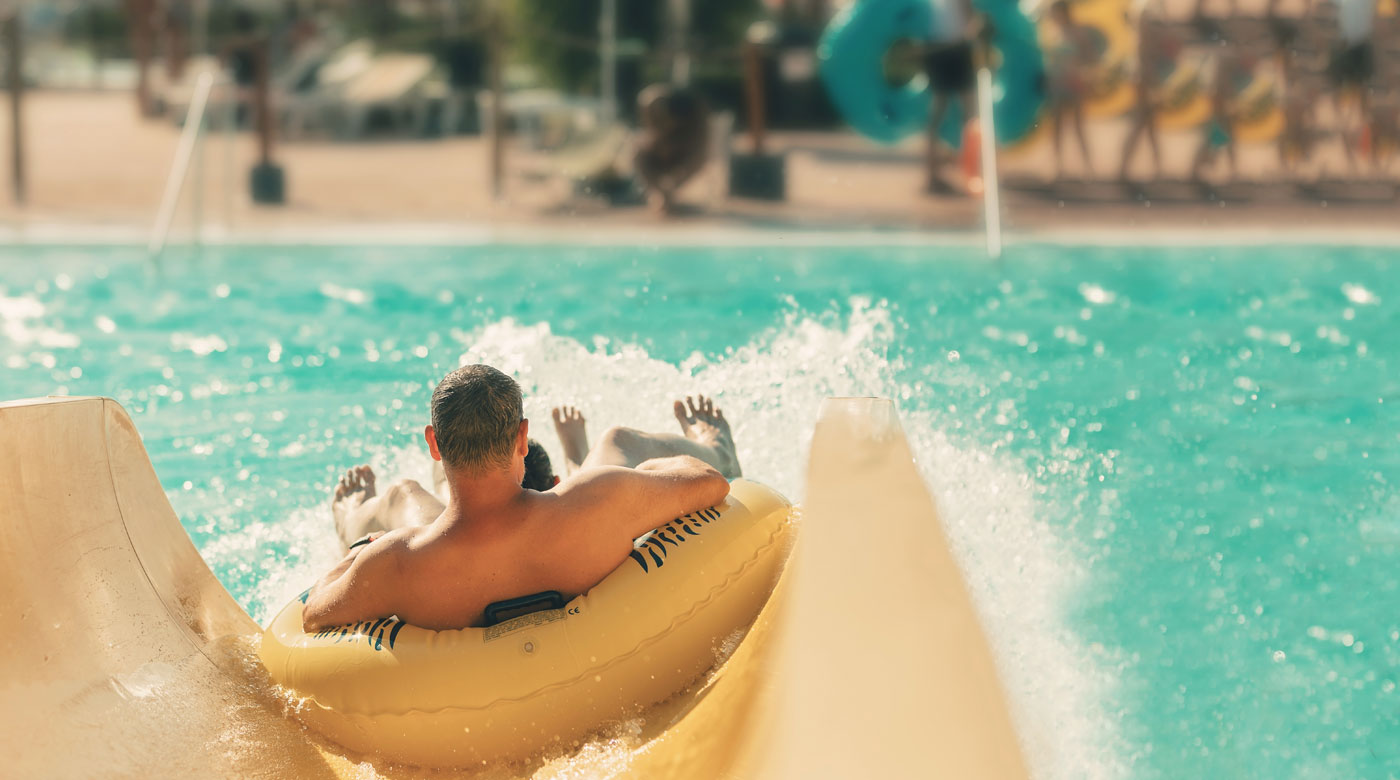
393, 84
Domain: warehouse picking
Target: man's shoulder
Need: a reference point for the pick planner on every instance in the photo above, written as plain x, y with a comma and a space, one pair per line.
592, 488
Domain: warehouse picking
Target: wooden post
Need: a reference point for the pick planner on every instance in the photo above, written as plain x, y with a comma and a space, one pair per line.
498, 103
269, 181
14, 38
138, 13
262, 100
753, 93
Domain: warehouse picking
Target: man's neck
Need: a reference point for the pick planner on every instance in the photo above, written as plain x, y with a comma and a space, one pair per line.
480, 495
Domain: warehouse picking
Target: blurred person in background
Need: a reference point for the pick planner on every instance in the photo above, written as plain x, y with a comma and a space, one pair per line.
950, 63
674, 143
1069, 63
1232, 75
1300, 134
1383, 141
1158, 51
1301, 90
1351, 67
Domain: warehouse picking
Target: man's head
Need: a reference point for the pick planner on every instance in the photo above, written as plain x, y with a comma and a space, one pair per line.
478, 424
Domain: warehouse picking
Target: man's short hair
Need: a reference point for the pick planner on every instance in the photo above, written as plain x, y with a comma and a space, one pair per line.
539, 472
476, 417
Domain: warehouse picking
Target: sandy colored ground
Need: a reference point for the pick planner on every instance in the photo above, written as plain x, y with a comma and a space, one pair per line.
93, 161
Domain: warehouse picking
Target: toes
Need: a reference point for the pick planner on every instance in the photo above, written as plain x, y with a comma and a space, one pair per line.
691, 403
679, 408
558, 415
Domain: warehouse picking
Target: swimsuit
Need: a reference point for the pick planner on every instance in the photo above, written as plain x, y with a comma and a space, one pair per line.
368, 538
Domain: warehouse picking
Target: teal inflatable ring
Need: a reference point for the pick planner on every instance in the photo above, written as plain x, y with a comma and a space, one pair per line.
852, 52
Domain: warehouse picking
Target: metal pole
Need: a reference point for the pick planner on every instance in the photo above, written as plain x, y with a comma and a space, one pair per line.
607, 52
991, 189
193, 120
14, 35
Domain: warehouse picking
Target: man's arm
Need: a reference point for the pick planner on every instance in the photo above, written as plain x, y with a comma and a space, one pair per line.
601, 509
358, 589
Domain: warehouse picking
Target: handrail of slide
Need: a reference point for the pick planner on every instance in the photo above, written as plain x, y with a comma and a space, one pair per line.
179, 168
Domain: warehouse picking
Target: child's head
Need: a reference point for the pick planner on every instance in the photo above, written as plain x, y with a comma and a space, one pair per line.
539, 472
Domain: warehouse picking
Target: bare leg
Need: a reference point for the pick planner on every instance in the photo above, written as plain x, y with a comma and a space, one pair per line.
1057, 121
1130, 145
571, 427
933, 155
359, 511
1078, 114
1150, 122
707, 437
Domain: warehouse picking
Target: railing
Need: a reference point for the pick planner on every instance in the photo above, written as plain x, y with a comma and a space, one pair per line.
179, 168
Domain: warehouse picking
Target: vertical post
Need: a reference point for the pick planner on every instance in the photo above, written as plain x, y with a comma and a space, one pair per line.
607, 54
138, 13
263, 101
498, 103
680, 52
753, 94
269, 183
991, 189
14, 39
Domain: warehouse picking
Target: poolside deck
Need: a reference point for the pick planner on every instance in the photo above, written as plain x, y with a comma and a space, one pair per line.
94, 162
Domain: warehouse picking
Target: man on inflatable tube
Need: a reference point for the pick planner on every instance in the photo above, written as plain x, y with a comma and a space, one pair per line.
853, 53
496, 540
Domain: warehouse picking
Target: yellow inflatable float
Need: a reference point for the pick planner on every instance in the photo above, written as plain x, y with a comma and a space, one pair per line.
544, 678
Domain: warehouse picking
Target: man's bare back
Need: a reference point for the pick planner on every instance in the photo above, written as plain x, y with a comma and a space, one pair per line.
494, 540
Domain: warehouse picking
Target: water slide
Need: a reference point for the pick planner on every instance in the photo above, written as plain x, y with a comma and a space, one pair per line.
123, 656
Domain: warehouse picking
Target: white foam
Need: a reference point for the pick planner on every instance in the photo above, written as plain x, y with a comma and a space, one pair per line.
993, 505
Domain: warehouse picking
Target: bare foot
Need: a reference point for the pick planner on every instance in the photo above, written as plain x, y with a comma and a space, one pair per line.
355, 488
703, 422
570, 426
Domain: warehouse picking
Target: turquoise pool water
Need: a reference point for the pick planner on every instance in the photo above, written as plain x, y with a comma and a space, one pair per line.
1169, 472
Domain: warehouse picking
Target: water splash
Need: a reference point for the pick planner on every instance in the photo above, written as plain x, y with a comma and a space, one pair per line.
993, 505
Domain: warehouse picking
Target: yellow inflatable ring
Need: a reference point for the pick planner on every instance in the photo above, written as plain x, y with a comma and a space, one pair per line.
545, 679
1182, 101
1260, 116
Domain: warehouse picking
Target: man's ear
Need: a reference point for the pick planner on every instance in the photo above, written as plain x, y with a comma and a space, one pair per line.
522, 439
430, 436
